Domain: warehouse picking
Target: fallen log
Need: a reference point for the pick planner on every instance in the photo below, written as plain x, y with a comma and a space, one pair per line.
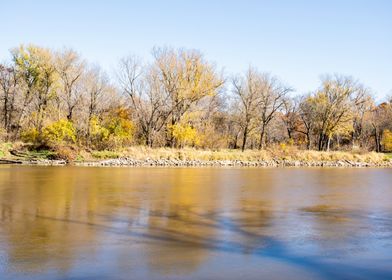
19, 153
10, 161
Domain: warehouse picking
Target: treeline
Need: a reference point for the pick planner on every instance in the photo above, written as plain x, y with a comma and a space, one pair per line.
51, 98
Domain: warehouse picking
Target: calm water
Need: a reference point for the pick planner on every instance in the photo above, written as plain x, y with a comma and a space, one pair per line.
195, 223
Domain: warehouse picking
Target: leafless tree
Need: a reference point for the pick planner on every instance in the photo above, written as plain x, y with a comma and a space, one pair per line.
271, 98
8, 94
70, 68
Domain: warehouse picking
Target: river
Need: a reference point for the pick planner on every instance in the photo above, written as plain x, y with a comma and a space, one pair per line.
195, 223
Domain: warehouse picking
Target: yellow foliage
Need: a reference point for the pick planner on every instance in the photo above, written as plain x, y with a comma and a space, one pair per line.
30, 135
115, 131
184, 134
62, 131
387, 140
97, 131
37, 66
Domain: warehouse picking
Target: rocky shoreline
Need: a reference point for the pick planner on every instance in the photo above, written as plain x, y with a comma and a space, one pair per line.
199, 163
228, 163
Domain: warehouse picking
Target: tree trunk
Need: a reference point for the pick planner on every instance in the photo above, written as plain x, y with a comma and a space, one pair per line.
320, 142
262, 132
289, 133
308, 141
244, 138
377, 142
328, 143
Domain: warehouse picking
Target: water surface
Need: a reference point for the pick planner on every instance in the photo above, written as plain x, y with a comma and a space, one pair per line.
195, 223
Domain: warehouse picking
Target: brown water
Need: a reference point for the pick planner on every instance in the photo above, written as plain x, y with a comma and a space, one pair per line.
195, 223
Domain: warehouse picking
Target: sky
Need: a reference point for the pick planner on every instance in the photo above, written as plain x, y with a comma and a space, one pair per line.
295, 40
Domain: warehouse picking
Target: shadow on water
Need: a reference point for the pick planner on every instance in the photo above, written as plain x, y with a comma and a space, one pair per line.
247, 242
155, 222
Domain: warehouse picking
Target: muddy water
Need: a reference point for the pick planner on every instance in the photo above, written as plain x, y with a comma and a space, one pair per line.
195, 223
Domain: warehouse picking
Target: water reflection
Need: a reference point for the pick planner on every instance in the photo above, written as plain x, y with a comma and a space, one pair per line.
154, 223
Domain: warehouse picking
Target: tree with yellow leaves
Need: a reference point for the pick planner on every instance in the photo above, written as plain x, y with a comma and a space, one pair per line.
186, 78
35, 66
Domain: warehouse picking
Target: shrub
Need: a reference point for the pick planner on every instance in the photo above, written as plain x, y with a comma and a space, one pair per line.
67, 153
116, 131
387, 140
30, 135
98, 133
184, 134
60, 132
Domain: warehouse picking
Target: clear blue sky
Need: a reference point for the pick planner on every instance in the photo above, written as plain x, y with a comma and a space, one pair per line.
296, 40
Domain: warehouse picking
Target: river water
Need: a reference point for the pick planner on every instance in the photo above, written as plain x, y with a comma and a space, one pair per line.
195, 223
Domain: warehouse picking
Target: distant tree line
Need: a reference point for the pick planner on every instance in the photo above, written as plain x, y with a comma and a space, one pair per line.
50, 97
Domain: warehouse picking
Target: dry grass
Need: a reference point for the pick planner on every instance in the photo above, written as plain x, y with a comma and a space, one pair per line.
194, 154
279, 152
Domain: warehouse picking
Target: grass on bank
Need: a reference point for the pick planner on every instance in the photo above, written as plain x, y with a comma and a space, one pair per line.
388, 156
280, 152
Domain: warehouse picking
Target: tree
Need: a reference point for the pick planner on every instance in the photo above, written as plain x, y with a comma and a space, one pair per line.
307, 113
381, 117
247, 89
148, 99
271, 96
35, 65
185, 78
9, 89
361, 114
70, 68
290, 115
96, 85
334, 108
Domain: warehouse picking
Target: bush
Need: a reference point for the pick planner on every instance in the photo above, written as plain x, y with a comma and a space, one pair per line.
30, 135
387, 140
184, 134
113, 133
67, 153
60, 132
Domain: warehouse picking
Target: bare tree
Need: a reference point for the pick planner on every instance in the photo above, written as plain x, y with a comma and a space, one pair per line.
271, 98
381, 117
307, 113
148, 99
290, 115
70, 68
9, 90
247, 89
96, 85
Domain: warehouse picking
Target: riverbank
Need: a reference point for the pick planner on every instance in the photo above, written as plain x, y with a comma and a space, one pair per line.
278, 156
229, 163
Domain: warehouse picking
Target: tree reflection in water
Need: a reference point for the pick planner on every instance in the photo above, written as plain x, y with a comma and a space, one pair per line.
175, 221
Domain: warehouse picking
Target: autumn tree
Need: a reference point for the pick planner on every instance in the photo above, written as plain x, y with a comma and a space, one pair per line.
335, 101
36, 69
185, 78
